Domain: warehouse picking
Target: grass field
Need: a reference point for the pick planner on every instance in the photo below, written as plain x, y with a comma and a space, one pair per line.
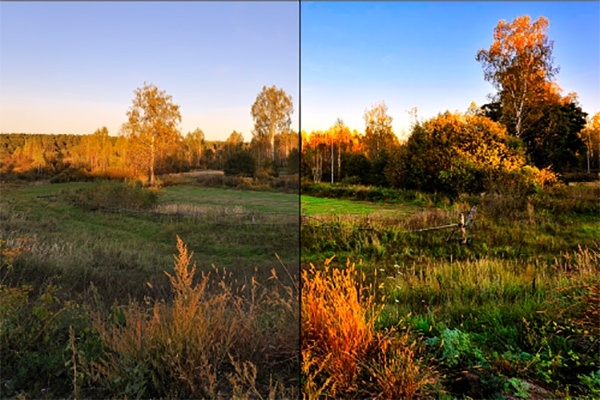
513, 314
319, 206
143, 243
82, 261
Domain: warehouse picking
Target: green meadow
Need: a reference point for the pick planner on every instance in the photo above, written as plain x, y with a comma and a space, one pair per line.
95, 304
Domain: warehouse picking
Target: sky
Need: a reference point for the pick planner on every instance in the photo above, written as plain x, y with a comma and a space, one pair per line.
73, 67
422, 54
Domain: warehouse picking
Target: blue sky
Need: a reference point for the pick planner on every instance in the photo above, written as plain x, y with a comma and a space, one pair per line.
422, 54
72, 67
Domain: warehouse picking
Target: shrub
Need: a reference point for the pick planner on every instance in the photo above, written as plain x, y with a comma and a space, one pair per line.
241, 163
454, 154
114, 196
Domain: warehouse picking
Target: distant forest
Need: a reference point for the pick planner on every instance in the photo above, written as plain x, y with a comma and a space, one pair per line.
150, 143
67, 157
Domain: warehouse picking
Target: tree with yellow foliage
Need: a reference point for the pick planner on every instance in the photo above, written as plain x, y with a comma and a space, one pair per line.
454, 153
591, 137
379, 135
519, 65
272, 111
152, 126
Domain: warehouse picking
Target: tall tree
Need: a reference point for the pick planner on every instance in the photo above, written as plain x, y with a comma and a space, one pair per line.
379, 135
519, 65
591, 137
233, 144
272, 113
194, 142
152, 125
554, 139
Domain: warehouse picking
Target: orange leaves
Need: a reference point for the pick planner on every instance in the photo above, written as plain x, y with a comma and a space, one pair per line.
519, 64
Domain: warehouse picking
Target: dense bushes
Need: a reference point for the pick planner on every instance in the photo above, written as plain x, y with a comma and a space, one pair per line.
371, 193
283, 183
455, 153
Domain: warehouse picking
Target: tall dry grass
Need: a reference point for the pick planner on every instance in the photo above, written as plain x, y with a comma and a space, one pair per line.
342, 353
215, 340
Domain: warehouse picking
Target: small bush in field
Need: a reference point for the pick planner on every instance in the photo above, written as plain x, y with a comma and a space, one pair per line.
241, 163
115, 195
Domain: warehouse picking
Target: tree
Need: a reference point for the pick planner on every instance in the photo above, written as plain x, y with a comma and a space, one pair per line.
271, 112
314, 154
235, 140
379, 135
591, 137
343, 138
454, 153
194, 143
554, 139
152, 125
519, 65
98, 149
284, 144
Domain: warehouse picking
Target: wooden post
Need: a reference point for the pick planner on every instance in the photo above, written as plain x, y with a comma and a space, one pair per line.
463, 228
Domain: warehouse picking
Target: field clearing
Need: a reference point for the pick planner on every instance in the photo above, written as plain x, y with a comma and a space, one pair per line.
266, 202
90, 291
319, 206
80, 244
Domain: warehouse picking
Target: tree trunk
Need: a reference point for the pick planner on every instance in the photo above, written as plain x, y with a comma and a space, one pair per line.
332, 159
339, 160
152, 159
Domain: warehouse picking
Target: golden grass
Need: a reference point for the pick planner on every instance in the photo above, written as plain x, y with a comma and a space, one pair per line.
342, 354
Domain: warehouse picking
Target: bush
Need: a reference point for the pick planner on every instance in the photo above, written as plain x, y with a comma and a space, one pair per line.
241, 163
115, 196
454, 154
213, 339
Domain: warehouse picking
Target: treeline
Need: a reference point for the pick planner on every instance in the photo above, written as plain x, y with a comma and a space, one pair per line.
527, 136
150, 143
25, 156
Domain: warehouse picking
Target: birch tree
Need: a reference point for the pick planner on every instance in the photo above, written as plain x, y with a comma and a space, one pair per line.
152, 126
519, 64
272, 113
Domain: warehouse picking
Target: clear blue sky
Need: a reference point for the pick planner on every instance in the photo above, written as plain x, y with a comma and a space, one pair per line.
72, 67
422, 54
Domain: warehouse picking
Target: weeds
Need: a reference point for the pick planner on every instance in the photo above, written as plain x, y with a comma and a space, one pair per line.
185, 349
217, 338
342, 353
